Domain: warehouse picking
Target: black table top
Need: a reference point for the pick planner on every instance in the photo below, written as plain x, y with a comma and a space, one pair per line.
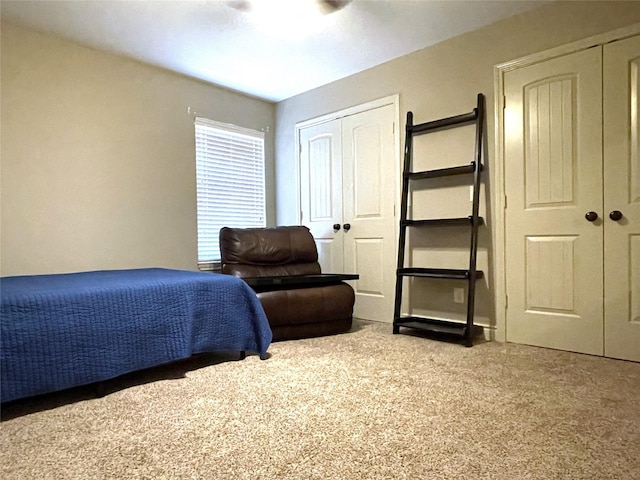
318, 279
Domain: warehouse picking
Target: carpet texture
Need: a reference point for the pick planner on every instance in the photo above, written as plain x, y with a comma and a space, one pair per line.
363, 405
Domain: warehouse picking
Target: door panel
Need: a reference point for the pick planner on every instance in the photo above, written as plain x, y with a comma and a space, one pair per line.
551, 274
553, 172
622, 193
369, 168
321, 190
369, 255
549, 150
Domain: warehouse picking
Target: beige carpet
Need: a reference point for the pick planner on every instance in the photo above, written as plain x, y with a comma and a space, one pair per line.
363, 405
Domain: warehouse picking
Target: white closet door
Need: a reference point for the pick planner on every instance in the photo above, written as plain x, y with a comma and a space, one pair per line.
321, 191
347, 176
368, 185
622, 193
553, 173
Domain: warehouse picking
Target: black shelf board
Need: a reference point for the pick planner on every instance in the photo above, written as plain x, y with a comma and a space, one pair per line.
443, 273
444, 172
435, 222
443, 123
432, 325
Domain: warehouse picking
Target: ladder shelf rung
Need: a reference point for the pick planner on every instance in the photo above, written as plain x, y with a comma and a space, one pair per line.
443, 172
431, 325
437, 326
443, 273
457, 120
435, 222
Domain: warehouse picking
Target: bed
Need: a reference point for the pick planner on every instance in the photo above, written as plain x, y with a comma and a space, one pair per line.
65, 330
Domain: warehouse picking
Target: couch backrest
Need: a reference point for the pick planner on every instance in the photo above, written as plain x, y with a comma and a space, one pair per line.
265, 252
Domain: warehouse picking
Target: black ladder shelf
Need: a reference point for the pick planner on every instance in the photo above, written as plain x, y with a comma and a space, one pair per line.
466, 330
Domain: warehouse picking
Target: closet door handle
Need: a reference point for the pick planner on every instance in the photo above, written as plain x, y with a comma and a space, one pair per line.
615, 215
591, 216
347, 227
336, 226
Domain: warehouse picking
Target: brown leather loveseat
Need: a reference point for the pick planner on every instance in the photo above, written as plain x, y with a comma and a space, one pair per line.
297, 311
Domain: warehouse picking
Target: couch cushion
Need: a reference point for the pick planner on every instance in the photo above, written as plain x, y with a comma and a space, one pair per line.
308, 305
253, 252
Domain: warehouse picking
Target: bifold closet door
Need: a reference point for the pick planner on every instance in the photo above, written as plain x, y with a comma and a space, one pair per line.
622, 194
553, 181
369, 196
572, 179
347, 192
321, 191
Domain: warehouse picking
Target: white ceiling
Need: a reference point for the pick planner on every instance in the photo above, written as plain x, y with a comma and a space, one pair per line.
211, 41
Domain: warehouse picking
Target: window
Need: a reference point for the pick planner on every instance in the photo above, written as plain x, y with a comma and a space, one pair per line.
230, 182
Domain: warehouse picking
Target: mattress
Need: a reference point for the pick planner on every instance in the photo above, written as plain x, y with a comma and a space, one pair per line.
65, 330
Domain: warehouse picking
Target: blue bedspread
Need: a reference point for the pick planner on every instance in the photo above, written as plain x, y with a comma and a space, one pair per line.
65, 330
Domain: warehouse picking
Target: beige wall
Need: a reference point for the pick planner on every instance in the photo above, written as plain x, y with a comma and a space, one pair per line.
440, 81
97, 157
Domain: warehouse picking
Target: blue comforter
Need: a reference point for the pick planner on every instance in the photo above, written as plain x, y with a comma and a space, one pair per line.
64, 330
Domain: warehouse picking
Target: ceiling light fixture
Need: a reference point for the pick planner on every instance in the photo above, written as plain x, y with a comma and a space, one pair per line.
289, 18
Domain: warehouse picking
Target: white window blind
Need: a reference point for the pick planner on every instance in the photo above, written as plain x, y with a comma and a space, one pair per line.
230, 182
